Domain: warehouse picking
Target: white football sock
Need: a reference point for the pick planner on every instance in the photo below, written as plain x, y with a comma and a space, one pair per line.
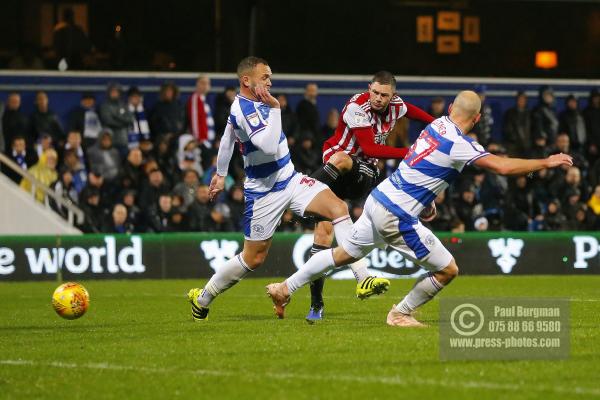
359, 269
425, 288
228, 275
342, 228
315, 267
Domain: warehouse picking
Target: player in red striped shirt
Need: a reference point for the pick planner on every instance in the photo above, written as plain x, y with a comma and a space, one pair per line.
350, 166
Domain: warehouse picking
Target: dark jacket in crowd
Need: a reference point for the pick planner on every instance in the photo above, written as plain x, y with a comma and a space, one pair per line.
15, 123
167, 117
308, 117
30, 158
115, 115
46, 122
544, 118
517, 131
573, 123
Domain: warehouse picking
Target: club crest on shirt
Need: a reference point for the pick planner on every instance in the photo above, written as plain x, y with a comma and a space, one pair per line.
253, 119
264, 111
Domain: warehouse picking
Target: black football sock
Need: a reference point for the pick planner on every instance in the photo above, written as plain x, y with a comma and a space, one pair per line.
316, 286
327, 174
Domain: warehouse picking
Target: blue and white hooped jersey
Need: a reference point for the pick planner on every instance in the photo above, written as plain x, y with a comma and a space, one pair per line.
434, 161
263, 171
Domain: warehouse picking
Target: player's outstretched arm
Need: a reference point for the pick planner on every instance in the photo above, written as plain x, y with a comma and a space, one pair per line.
217, 183
519, 166
366, 140
417, 114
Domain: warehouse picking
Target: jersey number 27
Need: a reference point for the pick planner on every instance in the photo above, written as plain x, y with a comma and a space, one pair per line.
427, 143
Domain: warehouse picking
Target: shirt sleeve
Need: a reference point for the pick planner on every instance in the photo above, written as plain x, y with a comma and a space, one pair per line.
356, 117
251, 121
467, 150
226, 149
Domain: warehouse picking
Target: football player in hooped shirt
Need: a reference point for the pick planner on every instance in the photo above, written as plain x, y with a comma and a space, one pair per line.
350, 166
390, 215
271, 186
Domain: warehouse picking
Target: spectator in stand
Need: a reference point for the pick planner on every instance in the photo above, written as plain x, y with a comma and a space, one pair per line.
43, 144
95, 181
20, 155
483, 129
93, 211
159, 214
65, 189
74, 143
131, 173
168, 116
119, 222
104, 157
437, 108
134, 214
305, 156
554, 219
200, 121
203, 216
152, 188
223, 103
45, 173
584, 220
467, 207
139, 129
189, 155
571, 122
165, 159
594, 201
76, 169
540, 148
289, 120
307, 111
177, 221
571, 183
543, 116
572, 203
85, 119
236, 206
563, 145
43, 120
517, 128
115, 115
329, 128
591, 114
520, 205
188, 186
14, 122
70, 42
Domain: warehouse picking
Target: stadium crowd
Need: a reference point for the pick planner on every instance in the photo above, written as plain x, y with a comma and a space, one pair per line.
136, 170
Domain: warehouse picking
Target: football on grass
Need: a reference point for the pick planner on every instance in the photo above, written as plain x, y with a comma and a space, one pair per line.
70, 300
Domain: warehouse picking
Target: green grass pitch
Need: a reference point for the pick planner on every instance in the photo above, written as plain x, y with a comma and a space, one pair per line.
137, 341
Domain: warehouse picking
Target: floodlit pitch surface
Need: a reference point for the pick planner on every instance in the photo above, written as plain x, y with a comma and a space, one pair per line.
138, 341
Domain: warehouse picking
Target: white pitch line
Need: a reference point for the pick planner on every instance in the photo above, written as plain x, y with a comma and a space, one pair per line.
389, 380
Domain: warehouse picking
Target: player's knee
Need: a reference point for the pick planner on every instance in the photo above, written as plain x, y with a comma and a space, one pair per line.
451, 271
338, 209
342, 161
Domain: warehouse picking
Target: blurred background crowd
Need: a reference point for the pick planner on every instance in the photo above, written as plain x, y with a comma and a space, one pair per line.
132, 169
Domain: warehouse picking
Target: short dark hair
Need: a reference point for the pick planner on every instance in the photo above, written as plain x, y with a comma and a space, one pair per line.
385, 78
249, 63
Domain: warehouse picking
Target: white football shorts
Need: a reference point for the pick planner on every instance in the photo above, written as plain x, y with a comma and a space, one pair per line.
378, 227
263, 211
